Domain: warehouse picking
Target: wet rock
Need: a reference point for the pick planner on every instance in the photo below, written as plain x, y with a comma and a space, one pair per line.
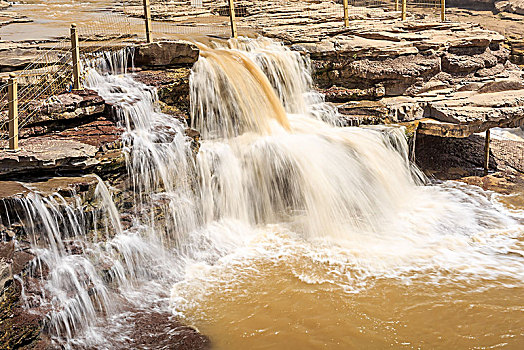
44, 154
22, 326
450, 158
172, 87
6, 269
501, 182
456, 158
10, 193
80, 104
68, 132
18, 327
163, 330
57, 112
101, 133
166, 54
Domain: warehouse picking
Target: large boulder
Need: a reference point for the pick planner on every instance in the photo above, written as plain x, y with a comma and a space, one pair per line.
166, 54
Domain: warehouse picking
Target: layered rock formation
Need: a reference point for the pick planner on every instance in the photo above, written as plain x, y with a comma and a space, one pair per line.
455, 73
511, 6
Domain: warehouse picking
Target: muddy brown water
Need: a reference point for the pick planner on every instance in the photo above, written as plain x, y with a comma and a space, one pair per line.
302, 299
276, 310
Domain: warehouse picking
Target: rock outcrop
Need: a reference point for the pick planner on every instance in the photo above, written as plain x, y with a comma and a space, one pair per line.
473, 4
511, 6
166, 54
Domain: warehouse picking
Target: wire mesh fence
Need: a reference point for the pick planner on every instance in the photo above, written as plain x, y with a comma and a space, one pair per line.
51, 71
47, 75
392, 9
192, 17
424, 9
374, 9
256, 14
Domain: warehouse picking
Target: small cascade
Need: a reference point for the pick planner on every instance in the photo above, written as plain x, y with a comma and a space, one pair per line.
279, 64
114, 62
61, 235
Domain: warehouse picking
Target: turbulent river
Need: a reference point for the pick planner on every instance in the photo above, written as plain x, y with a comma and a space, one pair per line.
284, 230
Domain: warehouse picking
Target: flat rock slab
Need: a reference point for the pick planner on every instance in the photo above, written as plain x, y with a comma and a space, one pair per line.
511, 6
444, 112
12, 189
64, 185
480, 110
41, 154
19, 58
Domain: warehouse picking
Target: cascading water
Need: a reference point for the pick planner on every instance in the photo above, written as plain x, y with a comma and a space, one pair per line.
327, 220
73, 292
283, 230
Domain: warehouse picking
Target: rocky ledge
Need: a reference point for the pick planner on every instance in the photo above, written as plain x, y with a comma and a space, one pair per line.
71, 132
458, 74
21, 327
75, 132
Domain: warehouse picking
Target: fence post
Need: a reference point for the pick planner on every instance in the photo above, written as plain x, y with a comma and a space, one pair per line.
396, 5
147, 17
486, 152
442, 10
76, 58
346, 13
232, 16
404, 9
13, 111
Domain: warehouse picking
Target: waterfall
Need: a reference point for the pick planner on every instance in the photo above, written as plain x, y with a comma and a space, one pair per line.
275, 179
268, 157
